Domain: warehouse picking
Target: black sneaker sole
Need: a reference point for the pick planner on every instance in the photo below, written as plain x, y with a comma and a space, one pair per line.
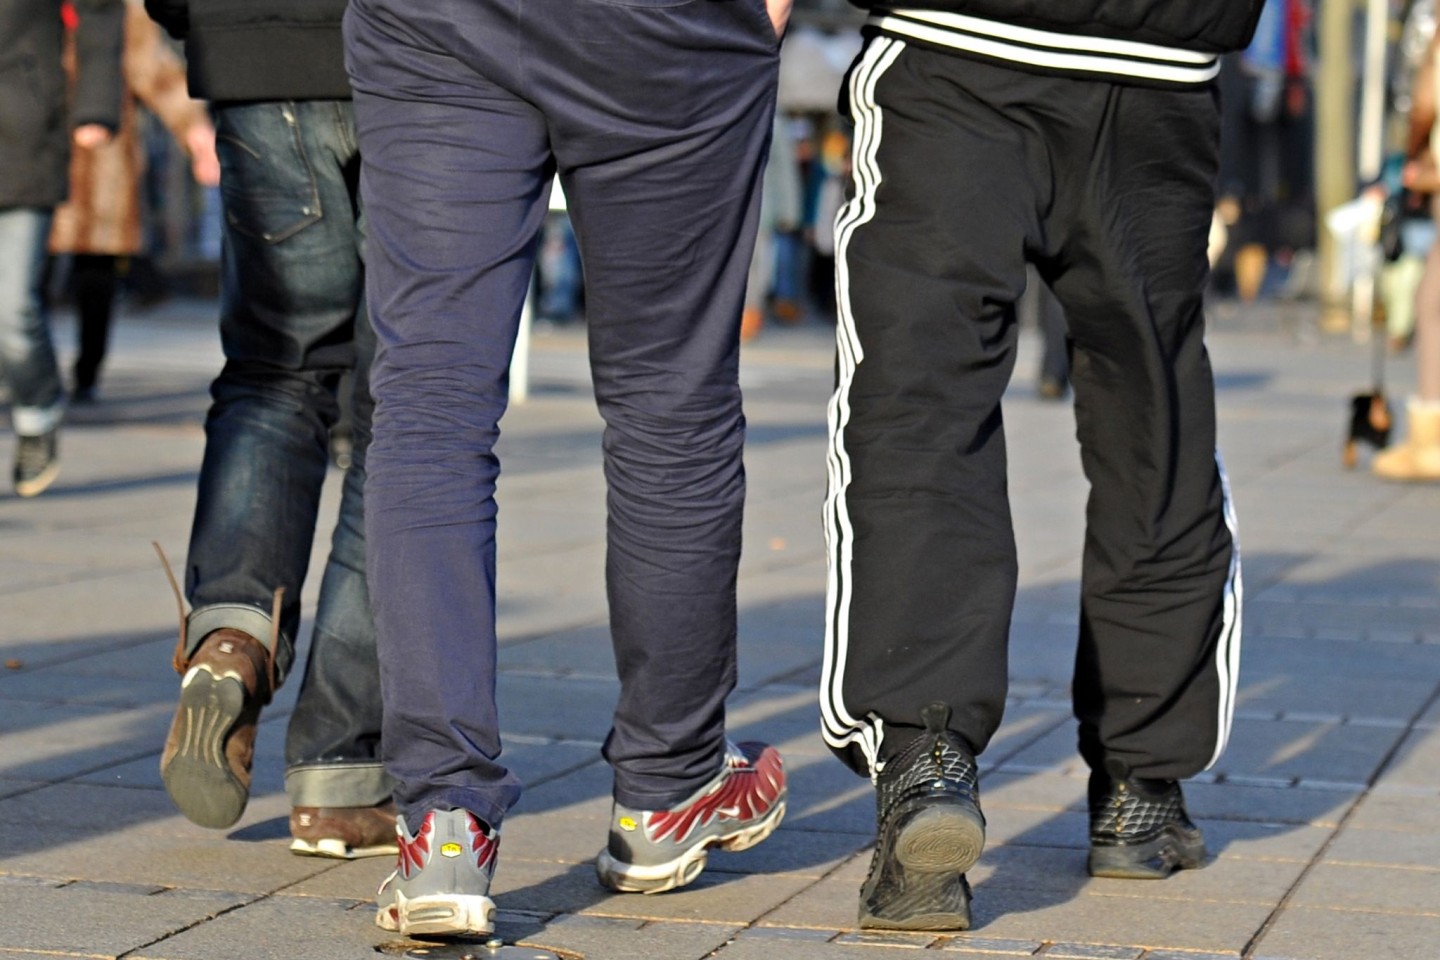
921, 885
1174, 849
197, 776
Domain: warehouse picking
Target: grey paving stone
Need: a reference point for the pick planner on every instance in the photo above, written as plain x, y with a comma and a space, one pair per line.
1380, 889
662, 941
906, 941
787, 933
1293, 750
1304, 933
833, 903
1229, 801
1417, 763
1393, 810
1356, 846
1037, 914
355, 881
990, 945
289, 928
1187, 955
569, 708
43, 919
1082, 951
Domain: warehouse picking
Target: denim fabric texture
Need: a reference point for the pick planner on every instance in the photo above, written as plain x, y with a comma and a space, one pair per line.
292, 322
27, 351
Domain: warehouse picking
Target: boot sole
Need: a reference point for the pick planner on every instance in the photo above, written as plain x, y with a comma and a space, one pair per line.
941, 839
932, 850
39, 483
197, 775
1155, 859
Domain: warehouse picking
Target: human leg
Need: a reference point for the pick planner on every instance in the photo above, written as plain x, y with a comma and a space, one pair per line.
27, 354
457, 168
921, 550
663, 182
290, 289
1159, 637
94, 281
1418, 456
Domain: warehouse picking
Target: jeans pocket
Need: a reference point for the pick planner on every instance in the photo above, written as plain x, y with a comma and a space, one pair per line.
267, 179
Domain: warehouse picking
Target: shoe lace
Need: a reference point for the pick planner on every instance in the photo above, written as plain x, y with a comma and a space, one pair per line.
180, 659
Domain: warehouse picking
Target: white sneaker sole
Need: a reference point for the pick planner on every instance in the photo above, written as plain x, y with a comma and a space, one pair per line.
634, 878
443, 914
339, 850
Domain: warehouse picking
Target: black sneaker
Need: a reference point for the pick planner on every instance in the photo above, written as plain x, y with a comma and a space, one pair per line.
927, 805
37, 463
1139, 829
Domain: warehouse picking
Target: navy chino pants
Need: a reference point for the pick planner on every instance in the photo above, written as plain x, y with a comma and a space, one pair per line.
656, 116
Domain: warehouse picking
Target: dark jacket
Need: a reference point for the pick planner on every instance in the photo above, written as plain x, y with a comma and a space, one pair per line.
37, 113
1205, 26
259, 49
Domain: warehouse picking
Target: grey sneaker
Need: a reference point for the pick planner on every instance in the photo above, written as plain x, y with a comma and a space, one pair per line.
441, 883
37, 463
930, 831
1139, 829
651, 851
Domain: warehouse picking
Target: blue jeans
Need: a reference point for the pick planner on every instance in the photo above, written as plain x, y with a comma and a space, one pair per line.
292, 321
27, 353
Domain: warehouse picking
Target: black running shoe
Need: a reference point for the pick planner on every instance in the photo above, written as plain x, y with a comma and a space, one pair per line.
1139, 829
931, 831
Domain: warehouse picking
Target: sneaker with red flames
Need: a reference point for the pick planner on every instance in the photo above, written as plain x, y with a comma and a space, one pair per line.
651, 851
441, 883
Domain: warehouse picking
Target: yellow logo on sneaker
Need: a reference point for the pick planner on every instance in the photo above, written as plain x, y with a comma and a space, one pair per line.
628, 824
450, 849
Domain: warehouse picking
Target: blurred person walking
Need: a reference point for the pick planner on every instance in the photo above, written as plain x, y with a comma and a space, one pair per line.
1417, 458
1082, 138
292, 324
657, 118
101, 222
37, 117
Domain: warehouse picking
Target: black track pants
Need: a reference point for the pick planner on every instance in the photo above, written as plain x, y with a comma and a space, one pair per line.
963, 171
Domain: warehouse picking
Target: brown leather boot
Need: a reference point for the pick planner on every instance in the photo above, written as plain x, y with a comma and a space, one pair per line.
208, 753
346, 833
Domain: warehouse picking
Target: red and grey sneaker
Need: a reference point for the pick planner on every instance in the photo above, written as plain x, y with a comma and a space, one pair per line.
441, 883
651, 851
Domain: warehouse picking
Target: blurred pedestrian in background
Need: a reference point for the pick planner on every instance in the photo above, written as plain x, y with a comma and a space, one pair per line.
1417, 457
657, 119
38, 113
989, 134
292, 325
101, 222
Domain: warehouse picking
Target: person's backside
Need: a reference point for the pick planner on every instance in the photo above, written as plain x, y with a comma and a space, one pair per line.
292, 322
1079, 137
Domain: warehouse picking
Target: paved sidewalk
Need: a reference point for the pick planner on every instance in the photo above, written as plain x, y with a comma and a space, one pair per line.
1323, 817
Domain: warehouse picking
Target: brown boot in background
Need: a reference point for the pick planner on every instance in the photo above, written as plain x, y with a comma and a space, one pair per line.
345, 833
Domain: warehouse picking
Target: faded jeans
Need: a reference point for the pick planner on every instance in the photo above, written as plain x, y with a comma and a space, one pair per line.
292, 322
27, 352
